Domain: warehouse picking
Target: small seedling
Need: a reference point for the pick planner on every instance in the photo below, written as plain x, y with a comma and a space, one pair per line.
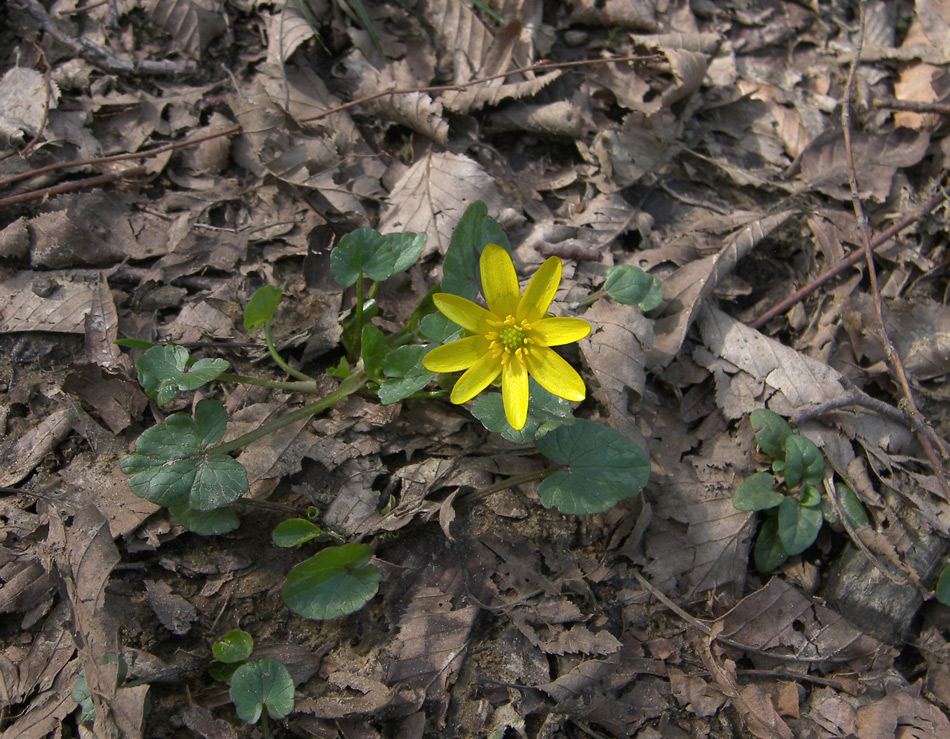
254, 685
790, 495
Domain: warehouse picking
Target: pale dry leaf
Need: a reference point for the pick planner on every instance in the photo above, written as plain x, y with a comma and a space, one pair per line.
25, 100
876, 158
579, 680
687, 289
581, 640
637, 15
291, 26
640, 146
174, 612
780, 618
415, 110
84, 555
371, 697
431, 197
192, 24
793, 381
698, 541
562, 118
478, 96
49, 710
614, 351
51, 650
694, 693
102, 329
461, 36
432, 639
19, 457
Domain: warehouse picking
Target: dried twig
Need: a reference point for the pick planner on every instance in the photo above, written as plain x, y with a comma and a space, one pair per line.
907, 404
105, 179
912, 106
852, 259
101, 57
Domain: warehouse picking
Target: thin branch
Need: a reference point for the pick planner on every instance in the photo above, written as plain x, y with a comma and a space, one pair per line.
101, 57
852, 259
338, 109
46, 192
893, 356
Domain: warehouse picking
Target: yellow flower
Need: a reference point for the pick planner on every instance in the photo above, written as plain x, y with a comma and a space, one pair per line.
511, 338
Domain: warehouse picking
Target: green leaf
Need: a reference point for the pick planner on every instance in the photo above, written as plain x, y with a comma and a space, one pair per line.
439, 329
769, 552
162, 372
206, 523
262, 306
406, 249
604, 468
258, 684
809, 497
170, 466
632, 286
757, 493
222, 671
373, 347
546, 412
475, 230
943, 588
804, 463
851, 505
296, 531
377, 256
235, 646
361, 250
335, 582
405, 373
772, 431
83, 697
798, 527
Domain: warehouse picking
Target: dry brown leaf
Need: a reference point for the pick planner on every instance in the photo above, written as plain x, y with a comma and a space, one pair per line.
19, 457
462, 38
192, 24
637, 15
641, 145
415, 110
792, 381
290, 27
698, 541
876, 158
85, 555
25, 101
687, 289
174, 612
562, 118
912, 712
615, 353
432, 196
780, 618
371, 697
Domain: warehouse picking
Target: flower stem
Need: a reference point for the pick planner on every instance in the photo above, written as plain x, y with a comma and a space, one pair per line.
279, 360
589, 300
349, 386
310, 386
511, 482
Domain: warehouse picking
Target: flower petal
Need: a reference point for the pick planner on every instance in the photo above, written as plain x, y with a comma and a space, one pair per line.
558, 331
514, 391
479, 376
456, 355
464, 312
499, 281
554, 374
540, 291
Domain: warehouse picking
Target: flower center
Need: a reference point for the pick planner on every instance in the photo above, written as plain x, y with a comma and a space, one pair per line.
511, 337
508, 337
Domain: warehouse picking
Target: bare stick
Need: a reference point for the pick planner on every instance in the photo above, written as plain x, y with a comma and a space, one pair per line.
907, 404
101, 57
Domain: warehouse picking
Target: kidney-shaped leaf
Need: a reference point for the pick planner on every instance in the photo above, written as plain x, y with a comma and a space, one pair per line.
798, 525
475, 230
546, 411
332, 583
603, 468
757, 493
235, 646
262, 306
259, 684
632, 286
170, 466
162, 372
